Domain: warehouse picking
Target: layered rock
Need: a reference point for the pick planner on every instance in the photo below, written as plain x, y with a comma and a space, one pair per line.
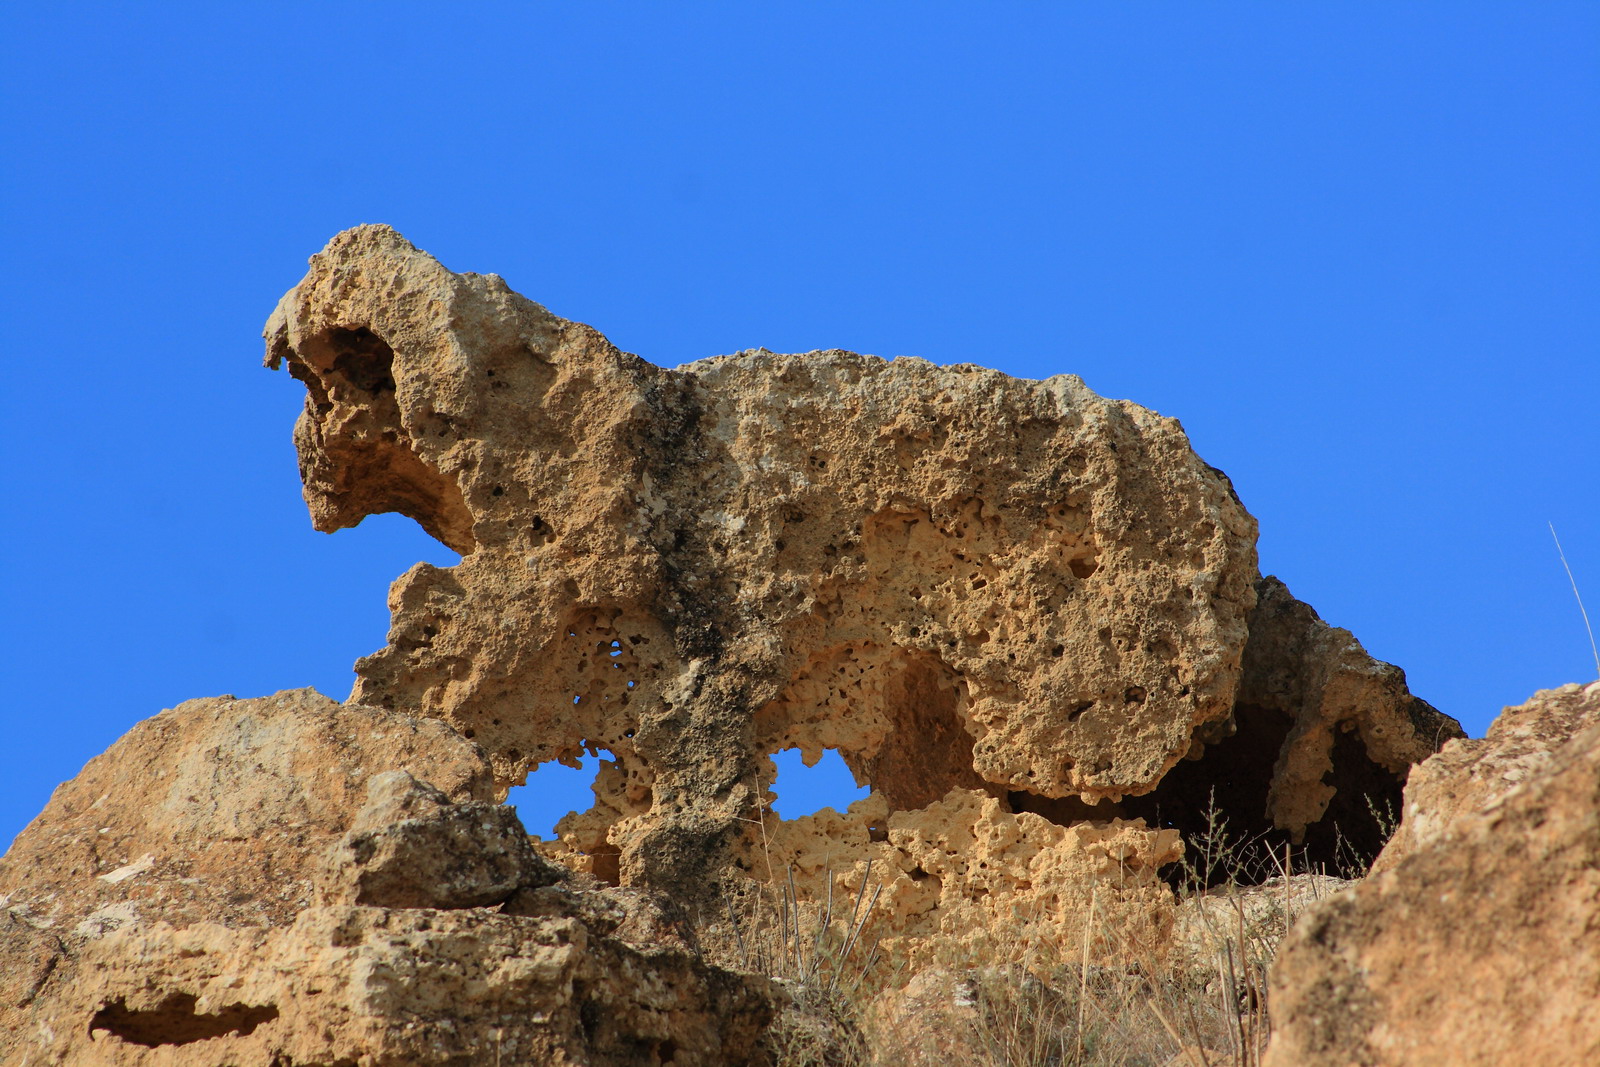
239, 881
1478, 940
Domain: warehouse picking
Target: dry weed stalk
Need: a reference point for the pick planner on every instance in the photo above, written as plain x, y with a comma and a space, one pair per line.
1198, 997
1201, 1000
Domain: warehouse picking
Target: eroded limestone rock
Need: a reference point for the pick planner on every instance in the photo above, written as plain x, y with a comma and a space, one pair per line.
287, 900
1317, 747
1012, 606
1027, 616
216, 810
964, 878
381, 987
1478, 942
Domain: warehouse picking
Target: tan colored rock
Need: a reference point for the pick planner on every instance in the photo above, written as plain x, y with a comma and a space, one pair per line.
959, 580
1331, 691
1027, 616
1470, 775
935, 1019
1479, 940
762, 535
399, 986
292, 902
1247, 922
380, 986
216, 810
1314, 752
964, 879
410, 847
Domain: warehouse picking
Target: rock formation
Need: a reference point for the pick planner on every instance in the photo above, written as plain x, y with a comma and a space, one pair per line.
1028, 617
1015, 590
1477, 941
239, 881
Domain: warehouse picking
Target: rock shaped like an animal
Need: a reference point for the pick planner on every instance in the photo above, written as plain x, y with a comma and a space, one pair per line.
976, 588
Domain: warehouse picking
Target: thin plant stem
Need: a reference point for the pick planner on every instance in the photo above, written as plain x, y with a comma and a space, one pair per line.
1593, 648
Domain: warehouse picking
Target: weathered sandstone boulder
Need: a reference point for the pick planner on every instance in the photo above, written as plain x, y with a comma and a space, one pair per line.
1478, 941
410, 847
1014, 607
1320, 740
216, 810
241, 881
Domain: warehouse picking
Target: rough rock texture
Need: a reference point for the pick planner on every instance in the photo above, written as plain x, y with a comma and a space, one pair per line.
1468, 776
965, 879
687, 567
1479, 940
216, 810
1012, 606
410, 847
236, 882
1028, 617
1320, 739
1332, 694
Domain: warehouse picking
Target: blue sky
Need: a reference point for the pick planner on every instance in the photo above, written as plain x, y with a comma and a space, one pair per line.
1353, 247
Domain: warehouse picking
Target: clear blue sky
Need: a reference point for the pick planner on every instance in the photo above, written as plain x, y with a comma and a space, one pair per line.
1353, 247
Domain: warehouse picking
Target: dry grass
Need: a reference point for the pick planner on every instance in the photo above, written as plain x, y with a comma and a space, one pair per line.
1200, 999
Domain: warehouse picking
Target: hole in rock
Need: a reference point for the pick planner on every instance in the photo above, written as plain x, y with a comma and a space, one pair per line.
1064, 811
379, 470
364, 359
174, 1021
1231, 780
803, 790
553, 791
929, 751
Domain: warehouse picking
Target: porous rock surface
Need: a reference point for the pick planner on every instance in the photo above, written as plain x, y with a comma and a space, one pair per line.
240, 881
1012, 606
1028, 617
1478, 939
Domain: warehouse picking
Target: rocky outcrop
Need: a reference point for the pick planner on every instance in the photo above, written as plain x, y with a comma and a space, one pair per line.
238, 881
1478, 940
1028, 617
1469, 776
1014, 607
1319, 741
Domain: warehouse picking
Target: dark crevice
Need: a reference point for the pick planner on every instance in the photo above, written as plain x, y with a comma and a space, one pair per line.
1064, 811
174, 1021
373, 466
1367, 795
1225, 793
362, 358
